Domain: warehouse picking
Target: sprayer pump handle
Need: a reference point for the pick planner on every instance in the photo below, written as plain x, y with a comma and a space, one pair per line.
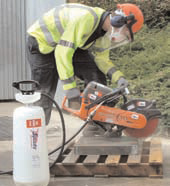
35, 86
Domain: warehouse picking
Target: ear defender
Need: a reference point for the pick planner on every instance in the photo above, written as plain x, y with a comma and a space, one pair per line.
118, 20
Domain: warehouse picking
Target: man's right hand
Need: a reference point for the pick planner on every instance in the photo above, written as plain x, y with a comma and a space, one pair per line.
74, 103
73, 96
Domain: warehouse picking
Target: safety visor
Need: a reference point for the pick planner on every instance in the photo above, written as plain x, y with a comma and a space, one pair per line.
120, 34
115, 38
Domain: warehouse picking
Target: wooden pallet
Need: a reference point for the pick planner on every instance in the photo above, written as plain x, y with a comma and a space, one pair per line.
149, 163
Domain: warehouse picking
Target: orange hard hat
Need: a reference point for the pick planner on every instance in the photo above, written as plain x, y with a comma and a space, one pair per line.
131, 9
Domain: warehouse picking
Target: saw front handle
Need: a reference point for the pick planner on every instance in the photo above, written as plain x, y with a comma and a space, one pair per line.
121, 91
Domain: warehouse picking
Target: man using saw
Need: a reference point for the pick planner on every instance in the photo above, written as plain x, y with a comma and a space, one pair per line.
58, 47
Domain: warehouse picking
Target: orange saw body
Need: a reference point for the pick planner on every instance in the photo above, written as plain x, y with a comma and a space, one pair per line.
111, 115
137, 118
120, 117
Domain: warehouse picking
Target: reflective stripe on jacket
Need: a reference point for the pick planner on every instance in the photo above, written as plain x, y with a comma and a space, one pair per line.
64, 29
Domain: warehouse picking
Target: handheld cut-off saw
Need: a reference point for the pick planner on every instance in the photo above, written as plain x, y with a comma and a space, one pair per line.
136, 117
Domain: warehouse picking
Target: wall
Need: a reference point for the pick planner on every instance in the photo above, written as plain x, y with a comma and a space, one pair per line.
36, 8
15, 17
12, 50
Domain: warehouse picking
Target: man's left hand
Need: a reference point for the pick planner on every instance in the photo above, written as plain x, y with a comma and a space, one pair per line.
122, 82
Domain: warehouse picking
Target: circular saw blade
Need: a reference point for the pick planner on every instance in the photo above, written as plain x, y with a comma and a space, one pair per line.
147, 131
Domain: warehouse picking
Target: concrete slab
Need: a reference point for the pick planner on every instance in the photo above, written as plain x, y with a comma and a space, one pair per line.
101, 145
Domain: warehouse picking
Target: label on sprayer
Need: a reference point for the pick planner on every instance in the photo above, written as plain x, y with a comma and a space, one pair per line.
33, 125
34, 135
35, 161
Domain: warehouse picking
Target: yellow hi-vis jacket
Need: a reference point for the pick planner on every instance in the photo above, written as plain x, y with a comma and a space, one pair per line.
64, 29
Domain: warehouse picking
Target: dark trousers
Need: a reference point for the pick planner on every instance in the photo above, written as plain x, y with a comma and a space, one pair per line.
43, 70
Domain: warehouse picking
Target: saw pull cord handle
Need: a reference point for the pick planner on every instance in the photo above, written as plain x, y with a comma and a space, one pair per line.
127, 91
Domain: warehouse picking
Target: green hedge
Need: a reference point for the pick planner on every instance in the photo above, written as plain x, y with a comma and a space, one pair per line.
156, 12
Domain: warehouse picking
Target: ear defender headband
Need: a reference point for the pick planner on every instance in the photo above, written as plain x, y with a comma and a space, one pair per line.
120, 20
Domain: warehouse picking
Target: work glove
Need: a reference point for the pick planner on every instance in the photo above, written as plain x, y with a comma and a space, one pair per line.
122, 82
73, 96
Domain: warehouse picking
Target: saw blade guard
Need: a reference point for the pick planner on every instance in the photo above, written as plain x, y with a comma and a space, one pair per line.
149, 110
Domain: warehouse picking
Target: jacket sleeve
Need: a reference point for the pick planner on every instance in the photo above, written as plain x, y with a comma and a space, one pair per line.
104, 63
74, 36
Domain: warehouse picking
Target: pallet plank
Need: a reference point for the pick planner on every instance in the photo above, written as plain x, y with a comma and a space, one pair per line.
112, 160
140, 170
155, 156
70, 159
134, 159
155, 171
71, 170
91, 160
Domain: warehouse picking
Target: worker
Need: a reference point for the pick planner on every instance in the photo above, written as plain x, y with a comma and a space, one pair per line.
74, 40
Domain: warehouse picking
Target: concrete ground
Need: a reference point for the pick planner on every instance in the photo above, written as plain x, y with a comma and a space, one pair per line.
54, 139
